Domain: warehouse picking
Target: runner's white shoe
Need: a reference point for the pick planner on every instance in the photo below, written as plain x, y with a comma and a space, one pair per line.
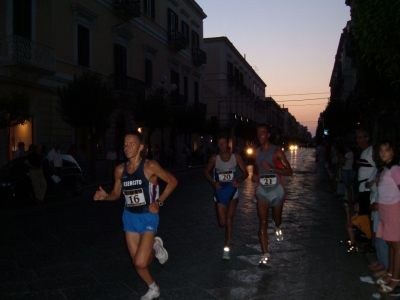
151, 294
161, 253
264, 260
278, 232
226, 254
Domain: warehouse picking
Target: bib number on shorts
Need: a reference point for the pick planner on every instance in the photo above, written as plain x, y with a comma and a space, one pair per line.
134, 198
268, 179
225, 176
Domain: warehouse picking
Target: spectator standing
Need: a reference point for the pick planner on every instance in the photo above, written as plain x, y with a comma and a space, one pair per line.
111, 162
55, 162
170, 156
389, 211
348, 173
72, 151
34, 161
366, 166
20, 151
81, 155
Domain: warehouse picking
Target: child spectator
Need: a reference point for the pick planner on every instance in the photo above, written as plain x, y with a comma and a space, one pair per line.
357, 226
389, 211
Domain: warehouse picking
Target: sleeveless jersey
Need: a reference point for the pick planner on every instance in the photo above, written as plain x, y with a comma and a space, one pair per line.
138, 191
267, 178
225, 172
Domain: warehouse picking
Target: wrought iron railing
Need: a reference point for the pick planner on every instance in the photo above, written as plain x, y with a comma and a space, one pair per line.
177, 39
199, 56
19, 50
128, 8
126, 83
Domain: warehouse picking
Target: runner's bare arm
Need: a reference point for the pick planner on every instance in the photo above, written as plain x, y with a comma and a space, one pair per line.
281, 157
152, 170
242, 167
210, 164
256, 171
116, 192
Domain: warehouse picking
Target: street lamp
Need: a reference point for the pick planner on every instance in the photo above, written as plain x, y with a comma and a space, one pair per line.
159, 85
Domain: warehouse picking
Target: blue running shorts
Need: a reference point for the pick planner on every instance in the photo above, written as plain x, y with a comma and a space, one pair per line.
225, 194
140, 222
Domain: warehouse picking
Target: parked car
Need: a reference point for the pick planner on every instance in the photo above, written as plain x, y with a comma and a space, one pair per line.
15, 182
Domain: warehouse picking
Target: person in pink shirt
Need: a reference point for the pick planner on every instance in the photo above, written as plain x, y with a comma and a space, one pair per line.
389, 211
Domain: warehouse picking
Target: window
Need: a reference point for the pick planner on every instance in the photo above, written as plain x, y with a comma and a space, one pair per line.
148, 73
120, 66
172, 20
230, 69
195, 40
196, 92
185, 31
149, 8
186, 88
175, 80
22, 18
83, 46
236, 74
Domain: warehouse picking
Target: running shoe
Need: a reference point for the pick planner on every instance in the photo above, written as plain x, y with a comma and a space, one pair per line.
151, 294
395, 292
352, 249
226, 254
161, 253
345, 242
278, 233
264, 260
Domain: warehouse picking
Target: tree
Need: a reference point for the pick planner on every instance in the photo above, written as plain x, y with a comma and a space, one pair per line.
377, 28
153, 113
14, 110
87, 104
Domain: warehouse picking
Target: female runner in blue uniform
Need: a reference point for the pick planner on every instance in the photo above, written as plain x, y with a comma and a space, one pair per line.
137, 179
225, 183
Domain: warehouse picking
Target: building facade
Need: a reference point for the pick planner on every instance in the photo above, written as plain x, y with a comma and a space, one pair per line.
138, 47
233, 91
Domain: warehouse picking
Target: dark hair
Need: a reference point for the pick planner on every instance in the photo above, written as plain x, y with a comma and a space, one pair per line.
222, 135
364, 132
392, 145
135, 133
266, 126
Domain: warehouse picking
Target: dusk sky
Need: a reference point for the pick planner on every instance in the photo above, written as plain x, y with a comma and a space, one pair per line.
290, 43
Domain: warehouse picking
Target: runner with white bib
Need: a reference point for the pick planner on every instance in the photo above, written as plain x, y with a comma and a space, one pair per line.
137, 180
271, 164
225, 182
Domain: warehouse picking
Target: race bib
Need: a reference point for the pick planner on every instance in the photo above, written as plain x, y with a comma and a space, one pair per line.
268, 179
134, 198
225, 176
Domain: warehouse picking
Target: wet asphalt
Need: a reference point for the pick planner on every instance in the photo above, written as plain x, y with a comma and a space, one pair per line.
75, 249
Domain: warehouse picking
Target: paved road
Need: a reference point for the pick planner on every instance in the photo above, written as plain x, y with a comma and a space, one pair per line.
76, 250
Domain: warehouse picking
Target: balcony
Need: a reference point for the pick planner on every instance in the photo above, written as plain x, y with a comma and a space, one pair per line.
199, 57
127, 9
26, 55
127, 84
176, 40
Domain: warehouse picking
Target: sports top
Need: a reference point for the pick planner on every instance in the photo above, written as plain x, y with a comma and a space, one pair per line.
139, 192
267, 178
225, 171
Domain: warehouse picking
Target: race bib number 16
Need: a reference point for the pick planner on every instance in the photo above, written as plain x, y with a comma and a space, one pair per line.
134, 197
268, 179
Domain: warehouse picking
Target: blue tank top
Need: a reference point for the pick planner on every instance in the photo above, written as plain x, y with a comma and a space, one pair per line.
138, 191
267, 178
